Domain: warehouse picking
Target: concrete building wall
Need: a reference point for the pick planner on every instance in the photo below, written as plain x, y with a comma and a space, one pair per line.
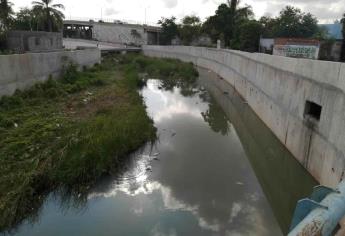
20, 71
34, 41
330, 51
117, 33
277, 89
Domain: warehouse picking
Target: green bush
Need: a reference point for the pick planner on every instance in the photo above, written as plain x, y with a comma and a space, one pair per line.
70, 73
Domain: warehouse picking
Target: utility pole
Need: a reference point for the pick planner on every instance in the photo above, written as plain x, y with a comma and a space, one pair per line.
101, 13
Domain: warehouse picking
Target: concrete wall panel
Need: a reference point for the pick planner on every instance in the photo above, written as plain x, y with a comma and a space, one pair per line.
20, 71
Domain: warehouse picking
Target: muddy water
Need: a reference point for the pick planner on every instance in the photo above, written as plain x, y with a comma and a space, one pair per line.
216, 170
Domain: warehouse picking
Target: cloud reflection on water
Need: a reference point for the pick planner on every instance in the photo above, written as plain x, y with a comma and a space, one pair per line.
220, 205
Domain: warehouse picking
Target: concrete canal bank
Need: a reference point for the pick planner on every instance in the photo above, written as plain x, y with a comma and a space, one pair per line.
20, 71
301, 101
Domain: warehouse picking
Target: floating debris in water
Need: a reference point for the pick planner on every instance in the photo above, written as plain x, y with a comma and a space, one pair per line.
156, 158
15, 125
156, 154
226, 93
239, 183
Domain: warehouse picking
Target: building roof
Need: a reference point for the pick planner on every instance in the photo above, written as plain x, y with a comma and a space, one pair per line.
334, 30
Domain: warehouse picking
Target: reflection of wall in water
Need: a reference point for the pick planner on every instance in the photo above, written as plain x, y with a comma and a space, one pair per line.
280, 175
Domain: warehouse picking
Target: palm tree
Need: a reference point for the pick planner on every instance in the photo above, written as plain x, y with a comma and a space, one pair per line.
232, 15
6, 15
49, 13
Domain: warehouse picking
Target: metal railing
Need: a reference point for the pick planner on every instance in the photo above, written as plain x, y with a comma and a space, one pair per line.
321, 213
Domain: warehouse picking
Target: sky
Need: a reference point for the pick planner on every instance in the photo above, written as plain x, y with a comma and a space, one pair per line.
150, 11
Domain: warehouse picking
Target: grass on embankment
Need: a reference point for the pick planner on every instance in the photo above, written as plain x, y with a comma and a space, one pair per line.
69, 132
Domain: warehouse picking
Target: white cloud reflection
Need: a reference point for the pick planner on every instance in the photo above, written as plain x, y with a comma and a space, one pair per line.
166, 105
240, 211
241, 215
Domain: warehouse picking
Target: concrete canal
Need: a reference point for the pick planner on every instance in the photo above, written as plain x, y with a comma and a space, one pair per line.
216, 170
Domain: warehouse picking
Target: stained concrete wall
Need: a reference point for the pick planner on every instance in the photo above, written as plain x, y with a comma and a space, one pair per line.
117, 33
34, 41
20, 71
277, 89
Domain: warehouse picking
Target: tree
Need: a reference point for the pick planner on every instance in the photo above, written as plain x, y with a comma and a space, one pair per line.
50, 14
342, 56
268, 26
6, 19
291, 23
28, 19
248, 36
190, 29
225, 23
169, 30
6, 15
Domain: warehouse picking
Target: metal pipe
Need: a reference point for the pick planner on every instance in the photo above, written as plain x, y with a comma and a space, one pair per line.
323, 220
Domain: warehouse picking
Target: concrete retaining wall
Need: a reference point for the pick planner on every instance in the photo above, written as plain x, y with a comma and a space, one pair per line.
34, 41
20, 71
277, 89
121, 34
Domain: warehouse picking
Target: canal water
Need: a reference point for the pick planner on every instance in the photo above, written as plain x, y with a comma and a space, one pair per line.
215, 170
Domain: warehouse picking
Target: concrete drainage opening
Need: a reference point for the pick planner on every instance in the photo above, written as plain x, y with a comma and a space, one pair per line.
312, 111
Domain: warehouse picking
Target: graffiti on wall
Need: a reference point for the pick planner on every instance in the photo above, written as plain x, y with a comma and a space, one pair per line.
297, 51
298, 48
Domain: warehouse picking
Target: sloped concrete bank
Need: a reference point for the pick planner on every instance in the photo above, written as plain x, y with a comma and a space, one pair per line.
20, 71
301, 101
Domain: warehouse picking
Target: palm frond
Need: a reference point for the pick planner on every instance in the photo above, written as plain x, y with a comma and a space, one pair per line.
57, 13
49, 14
61, 6
36, 3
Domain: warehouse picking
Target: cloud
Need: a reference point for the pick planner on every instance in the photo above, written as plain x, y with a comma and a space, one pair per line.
170, 3
110, 11
325, 11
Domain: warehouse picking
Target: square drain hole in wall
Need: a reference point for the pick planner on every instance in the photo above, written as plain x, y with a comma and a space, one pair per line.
312, 110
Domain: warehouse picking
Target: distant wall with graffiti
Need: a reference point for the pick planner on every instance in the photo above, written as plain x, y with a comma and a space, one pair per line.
297, 48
